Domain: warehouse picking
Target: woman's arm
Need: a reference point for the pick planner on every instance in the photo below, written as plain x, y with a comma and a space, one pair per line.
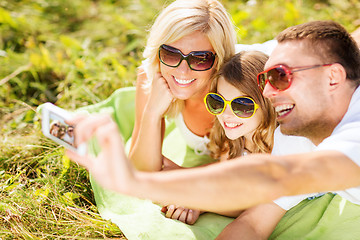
149, 128
254, 223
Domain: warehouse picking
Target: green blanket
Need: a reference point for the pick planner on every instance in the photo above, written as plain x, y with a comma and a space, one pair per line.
329, 217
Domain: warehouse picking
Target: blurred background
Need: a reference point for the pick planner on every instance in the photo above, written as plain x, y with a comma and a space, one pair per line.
75, 53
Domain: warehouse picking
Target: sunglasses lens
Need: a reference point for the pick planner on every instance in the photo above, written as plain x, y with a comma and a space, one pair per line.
197, 60
243, 107
214, 103
201, 60
261, 81
169, 56
278, 78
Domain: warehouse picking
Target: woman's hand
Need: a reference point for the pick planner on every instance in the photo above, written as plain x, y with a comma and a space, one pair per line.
184, 215
110, 167
160, 95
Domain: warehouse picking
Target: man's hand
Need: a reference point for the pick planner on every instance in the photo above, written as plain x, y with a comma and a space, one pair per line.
110, 167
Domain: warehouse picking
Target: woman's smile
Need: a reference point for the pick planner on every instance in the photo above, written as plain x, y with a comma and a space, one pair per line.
183, 82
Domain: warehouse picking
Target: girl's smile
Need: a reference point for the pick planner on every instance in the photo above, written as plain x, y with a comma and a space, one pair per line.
234, 126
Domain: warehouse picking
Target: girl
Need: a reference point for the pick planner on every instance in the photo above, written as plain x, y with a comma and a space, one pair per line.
244, 124
245, 120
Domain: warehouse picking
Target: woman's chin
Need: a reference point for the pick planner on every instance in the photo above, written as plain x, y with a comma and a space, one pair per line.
180, 95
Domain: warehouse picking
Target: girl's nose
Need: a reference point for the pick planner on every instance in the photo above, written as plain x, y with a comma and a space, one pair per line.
227, 111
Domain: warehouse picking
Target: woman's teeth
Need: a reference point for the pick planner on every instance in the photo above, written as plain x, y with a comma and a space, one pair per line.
283, 109
183, 81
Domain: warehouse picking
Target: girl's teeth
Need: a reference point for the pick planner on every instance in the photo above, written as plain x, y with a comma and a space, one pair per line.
232, 125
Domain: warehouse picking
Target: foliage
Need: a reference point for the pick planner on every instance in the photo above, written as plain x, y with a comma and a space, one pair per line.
76, 53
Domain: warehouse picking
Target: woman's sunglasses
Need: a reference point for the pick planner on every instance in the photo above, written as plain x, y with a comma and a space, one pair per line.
197, 60
242, 107
280, 76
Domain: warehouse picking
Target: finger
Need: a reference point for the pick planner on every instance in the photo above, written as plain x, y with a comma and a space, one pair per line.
177, 213
84, 161
158, 75
112, 150
85, 129
164, 209
76, 119
183, 215
192, 216
170, 211
109, 138
166, 85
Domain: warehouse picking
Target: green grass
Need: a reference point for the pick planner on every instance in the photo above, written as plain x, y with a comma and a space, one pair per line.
76, 53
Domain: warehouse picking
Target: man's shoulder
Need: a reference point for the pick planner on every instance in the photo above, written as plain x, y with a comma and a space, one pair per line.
285, 144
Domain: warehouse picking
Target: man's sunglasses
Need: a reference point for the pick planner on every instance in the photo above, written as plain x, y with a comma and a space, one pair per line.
280, 76
242, 107
197, 60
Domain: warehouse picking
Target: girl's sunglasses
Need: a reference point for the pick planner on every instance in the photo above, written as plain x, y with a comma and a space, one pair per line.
280, 76
242, 107
197, 60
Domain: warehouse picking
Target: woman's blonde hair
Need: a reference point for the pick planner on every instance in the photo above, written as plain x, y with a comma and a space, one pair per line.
181, 18
241, 72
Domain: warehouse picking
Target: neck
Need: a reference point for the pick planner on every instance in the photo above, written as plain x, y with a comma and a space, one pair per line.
249, 145
333, 119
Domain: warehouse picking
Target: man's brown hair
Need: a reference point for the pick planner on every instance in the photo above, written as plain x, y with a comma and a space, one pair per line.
330, 41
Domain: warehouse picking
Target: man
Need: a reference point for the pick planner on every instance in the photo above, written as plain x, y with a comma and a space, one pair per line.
312, 79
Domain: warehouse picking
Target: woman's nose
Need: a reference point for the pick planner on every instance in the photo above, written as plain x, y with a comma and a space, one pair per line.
184, 66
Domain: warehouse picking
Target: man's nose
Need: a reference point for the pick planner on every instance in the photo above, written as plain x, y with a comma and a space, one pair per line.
269, 90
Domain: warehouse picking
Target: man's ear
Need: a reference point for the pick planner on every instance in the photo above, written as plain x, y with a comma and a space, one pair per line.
337, 75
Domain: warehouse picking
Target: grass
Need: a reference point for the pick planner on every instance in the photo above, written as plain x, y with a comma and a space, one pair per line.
43, 195
76, 53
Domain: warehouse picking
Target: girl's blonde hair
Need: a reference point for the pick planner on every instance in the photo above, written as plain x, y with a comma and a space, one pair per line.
184, 17
241, 72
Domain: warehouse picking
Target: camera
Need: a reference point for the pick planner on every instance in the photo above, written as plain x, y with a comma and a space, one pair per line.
54, 126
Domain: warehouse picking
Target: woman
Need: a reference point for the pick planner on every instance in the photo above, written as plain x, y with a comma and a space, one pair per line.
187, 44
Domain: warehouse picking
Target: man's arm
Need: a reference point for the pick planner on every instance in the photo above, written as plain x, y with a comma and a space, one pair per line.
250, 181
226, 186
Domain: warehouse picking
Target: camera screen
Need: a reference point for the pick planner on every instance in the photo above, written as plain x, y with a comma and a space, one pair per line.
61, 130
